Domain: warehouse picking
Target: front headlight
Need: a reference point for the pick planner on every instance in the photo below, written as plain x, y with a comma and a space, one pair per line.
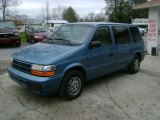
42, 70
49, 68
37, 67
17, 34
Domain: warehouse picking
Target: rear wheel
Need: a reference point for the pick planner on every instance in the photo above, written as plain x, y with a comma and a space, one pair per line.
32, 41
72, 85
135, 65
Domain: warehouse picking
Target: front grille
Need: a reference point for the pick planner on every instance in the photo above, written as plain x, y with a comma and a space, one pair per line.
9, 35
21, 66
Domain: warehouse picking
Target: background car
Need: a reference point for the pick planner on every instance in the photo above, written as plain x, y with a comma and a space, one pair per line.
36, 34
8, 34
142, 30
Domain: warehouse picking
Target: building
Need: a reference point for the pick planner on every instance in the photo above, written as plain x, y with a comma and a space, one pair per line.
52, 24
153, 25
140, 22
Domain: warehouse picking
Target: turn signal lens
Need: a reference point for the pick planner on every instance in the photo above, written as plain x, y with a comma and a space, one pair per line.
43, 73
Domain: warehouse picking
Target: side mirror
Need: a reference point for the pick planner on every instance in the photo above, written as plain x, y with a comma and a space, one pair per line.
95, 44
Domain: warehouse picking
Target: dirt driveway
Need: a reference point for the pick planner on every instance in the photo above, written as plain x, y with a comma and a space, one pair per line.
120, 96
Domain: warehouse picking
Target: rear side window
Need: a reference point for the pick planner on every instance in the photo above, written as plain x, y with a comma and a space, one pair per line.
121, 34
136, 36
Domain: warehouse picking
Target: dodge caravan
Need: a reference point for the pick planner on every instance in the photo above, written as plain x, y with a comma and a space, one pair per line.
76, 53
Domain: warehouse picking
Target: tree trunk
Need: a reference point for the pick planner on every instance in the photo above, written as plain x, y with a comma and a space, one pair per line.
4, 14
4, 17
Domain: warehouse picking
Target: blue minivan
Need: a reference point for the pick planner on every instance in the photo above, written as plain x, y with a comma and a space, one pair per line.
76, 53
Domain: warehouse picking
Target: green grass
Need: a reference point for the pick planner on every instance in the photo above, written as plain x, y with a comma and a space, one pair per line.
23, 37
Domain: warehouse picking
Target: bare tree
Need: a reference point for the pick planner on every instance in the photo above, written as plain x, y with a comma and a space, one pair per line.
45, 12
7, 3
57, 12
92, 17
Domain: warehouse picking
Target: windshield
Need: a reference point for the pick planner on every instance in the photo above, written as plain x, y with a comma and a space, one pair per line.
72, 33
7, 25
38, 30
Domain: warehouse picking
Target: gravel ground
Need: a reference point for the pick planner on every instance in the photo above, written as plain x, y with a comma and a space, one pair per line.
5, 54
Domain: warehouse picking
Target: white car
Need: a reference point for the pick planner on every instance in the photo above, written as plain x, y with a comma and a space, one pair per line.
142, 30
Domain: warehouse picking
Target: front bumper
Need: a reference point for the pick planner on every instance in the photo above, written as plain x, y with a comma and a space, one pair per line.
40, 85
9, 41
38, 39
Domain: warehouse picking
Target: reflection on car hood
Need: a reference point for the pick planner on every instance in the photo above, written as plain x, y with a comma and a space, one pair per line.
41, 53
42, 34
3, 30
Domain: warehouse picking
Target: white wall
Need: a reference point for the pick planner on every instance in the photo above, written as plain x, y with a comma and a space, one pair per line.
154, 13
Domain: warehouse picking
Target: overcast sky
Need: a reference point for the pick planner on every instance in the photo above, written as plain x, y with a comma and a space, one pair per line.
82, 7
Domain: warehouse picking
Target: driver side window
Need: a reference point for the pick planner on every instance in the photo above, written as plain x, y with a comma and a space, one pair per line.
102, 34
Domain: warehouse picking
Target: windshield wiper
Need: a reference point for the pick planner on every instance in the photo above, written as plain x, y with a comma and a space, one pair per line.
48, 40
66, 41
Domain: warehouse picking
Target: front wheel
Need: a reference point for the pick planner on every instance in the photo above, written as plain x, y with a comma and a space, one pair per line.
72, 85
18, 44
135, 65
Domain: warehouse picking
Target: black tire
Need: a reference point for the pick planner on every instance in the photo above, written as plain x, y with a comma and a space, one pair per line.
18, 44
66, 88
134, 66
32, 41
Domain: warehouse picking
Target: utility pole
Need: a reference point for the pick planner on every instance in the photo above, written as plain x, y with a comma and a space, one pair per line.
47, 10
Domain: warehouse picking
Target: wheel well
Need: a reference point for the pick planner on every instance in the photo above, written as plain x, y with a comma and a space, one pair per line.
78, 68
139, 55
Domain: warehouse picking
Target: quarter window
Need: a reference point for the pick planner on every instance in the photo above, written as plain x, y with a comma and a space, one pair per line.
121, 34
136, 36
102, 34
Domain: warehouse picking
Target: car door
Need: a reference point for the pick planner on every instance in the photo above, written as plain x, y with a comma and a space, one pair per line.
100, 58
122, 48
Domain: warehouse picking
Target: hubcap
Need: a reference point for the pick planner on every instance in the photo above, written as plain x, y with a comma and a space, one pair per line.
136, 64
74, 86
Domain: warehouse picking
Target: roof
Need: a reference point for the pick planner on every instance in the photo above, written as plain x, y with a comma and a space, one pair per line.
152, 3
100, 23
56, 21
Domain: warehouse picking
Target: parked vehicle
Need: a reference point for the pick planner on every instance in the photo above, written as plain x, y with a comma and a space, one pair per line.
53, 24
8, 34
37, 34
76, 53
142, 30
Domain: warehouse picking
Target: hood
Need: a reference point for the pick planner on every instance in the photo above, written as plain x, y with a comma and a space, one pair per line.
42, 53
46, 34
3, 30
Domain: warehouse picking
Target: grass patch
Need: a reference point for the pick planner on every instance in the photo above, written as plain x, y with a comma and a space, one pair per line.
23, 37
